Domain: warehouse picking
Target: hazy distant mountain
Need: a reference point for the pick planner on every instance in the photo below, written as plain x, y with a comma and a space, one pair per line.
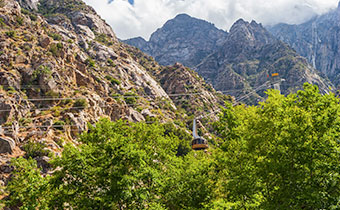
318, 40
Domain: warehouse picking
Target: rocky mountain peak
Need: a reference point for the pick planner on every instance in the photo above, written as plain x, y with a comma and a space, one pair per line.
183, 39
243, 33
239, 23
183, 16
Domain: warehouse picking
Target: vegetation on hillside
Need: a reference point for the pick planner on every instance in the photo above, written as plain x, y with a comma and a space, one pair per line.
281, 154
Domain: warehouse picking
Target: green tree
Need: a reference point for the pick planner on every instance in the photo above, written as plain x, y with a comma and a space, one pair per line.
283, 154
119, 165
27, 187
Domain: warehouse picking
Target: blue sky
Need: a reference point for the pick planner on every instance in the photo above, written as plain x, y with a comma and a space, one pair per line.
132, 18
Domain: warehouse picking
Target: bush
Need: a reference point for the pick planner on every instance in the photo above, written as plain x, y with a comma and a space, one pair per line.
34, 149
90, 62
81, 103
42, 70
20, 20
55, 36
130, 98
2, 23
110, 62
112, 80
11, 34
33, 17
103, 38
59, 125
55, 49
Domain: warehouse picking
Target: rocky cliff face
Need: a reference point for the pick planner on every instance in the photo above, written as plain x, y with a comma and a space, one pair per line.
183, 39
62, 67
186, 88
249, 55
318, 40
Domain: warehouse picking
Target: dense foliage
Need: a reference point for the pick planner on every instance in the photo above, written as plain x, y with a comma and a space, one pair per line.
281, 154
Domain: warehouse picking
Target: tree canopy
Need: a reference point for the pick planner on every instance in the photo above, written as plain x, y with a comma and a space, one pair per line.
281, 154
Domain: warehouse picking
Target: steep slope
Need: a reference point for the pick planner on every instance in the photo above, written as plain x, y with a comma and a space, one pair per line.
185, 87
318, 40
62, 67
183, 39
249, 55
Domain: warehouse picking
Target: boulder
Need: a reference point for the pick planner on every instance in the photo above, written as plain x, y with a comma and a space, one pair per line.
7, 145
43, 163
136, 116
146, 113
44, 42
20, 59
86, 32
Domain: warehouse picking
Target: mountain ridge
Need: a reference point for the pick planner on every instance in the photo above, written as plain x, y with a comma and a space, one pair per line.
240, 62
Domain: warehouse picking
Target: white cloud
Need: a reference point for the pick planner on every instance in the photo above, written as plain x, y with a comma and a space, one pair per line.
145, 16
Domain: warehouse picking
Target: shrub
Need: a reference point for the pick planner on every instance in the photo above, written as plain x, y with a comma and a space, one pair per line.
42, 70
82, 103
110, 62
59, 125
52, 94
20, 20
11, 34
2, 23
90, 62
59, 45
33, 16
55, 36
36, 149
24, 11
130, 98
55, 49
25, 121
103, 38
112, 80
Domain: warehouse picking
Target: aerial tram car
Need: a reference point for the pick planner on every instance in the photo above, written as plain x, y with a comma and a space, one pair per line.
199, 143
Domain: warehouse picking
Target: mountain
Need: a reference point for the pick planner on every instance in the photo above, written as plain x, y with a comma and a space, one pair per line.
318, 40
62, 68
236, 62
249, 54
183, 39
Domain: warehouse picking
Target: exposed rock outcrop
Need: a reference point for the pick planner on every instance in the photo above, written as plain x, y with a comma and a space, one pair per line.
7, 145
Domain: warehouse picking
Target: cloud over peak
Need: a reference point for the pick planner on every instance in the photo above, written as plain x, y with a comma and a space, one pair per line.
132, 18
